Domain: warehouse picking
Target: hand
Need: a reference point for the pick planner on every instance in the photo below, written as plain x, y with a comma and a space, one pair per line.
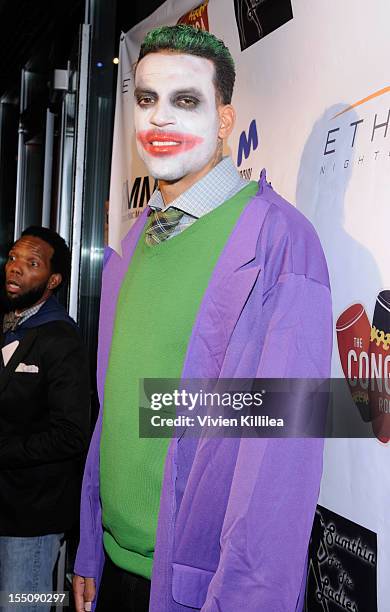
84, 591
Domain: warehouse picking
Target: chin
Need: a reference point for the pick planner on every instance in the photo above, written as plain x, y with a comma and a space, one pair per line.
165, 174
173, 174
174, 168
169, 177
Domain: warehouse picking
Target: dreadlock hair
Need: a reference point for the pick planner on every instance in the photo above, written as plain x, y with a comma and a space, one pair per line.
193, 41
61, 258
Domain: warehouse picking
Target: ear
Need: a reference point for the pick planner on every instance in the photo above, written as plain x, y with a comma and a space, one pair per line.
227, 119
54, 281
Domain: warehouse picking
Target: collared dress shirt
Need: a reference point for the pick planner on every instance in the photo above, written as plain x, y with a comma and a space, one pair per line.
23, 316
220, 184
29, 312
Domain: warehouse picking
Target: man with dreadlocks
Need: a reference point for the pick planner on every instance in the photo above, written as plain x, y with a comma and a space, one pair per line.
219, 278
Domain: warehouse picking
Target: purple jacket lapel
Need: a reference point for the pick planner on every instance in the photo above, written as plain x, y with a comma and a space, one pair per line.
233, 278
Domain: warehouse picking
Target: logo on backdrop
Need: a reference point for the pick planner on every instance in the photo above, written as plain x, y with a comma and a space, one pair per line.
362, 140
257, 18
364, 351
134, 200
247, 142
342, 565
198, 17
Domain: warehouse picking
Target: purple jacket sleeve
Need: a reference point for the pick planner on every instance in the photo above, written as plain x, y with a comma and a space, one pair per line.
90, 557
276, 482
90, 553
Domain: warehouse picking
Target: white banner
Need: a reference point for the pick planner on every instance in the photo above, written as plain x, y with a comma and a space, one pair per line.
313, 107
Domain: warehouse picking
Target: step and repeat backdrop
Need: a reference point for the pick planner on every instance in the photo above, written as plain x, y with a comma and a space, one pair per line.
313, 107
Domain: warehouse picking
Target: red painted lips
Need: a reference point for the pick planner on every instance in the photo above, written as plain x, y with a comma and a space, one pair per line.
167, 143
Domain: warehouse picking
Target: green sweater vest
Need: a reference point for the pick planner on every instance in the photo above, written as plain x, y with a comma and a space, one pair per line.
156, 310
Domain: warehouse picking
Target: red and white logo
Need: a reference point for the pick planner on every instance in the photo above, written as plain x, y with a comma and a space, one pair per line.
364, 351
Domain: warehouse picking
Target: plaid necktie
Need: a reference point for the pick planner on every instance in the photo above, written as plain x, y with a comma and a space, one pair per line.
162, 225
10, 322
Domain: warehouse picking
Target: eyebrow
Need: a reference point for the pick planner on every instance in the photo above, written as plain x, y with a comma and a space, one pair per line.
140, 90
191, 91
188, 91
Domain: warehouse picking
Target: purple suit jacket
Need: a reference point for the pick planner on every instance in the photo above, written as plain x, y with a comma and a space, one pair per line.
235, 514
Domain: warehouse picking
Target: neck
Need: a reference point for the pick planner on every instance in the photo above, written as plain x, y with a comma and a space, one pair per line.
170, 190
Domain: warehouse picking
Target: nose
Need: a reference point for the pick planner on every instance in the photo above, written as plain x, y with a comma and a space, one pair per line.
162, 115
13, 267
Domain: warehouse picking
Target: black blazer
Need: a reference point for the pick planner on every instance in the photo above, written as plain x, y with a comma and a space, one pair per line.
44, 434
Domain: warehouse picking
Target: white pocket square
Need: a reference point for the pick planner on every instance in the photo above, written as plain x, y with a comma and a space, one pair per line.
9, 350
30, 369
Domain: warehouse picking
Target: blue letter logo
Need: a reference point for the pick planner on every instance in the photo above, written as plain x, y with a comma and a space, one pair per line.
245, 143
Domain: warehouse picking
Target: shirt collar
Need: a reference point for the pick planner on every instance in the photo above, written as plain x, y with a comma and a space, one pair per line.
222, 182
29, 312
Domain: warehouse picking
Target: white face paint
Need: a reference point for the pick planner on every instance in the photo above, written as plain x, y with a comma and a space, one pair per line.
176, 118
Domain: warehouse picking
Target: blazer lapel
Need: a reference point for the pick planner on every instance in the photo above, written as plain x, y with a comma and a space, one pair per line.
231, 283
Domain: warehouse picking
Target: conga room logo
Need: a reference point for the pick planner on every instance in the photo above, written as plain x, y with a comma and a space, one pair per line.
364, 351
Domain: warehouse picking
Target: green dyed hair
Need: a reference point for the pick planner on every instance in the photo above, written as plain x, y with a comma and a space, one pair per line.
193, 41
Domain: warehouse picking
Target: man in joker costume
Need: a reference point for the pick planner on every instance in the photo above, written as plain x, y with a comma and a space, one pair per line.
219, 278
